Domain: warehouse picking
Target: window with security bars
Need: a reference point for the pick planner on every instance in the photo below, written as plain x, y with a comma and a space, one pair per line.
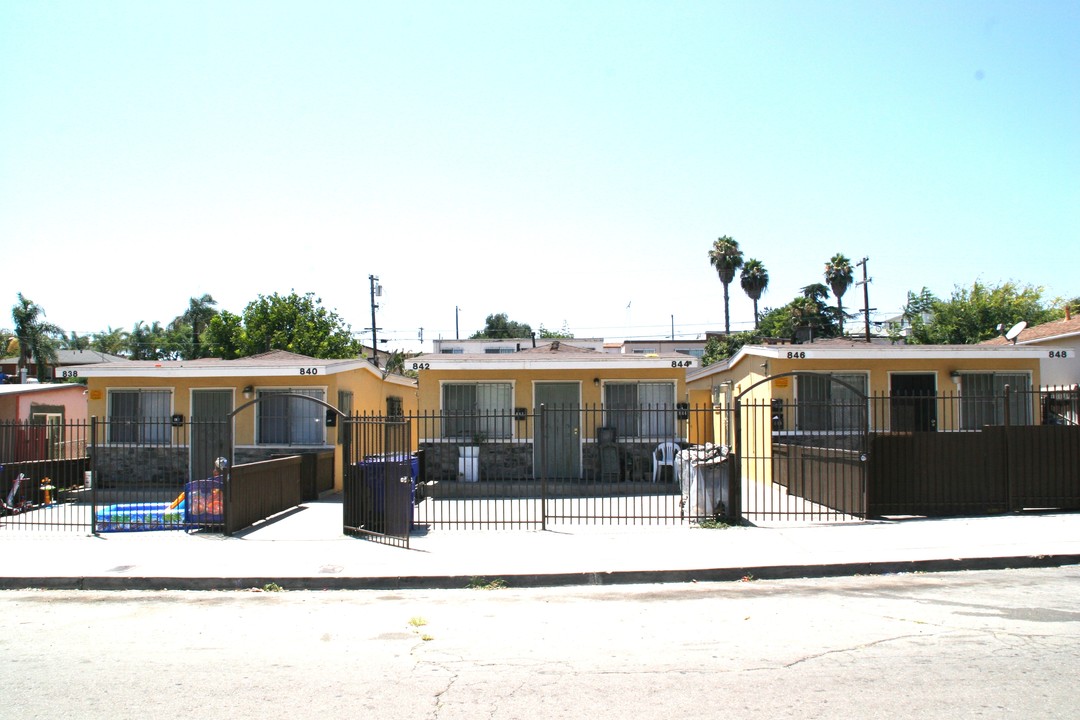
285, 419
477, 410
824, 405
640, 409
139, 416
982, 399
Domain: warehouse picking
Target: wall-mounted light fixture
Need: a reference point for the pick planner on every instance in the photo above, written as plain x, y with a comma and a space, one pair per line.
596, 382
248, 392
955, 375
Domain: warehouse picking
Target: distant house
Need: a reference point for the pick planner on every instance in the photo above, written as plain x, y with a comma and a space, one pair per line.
176, 402
694, 348
41, 419
501, 346
71, 359
1060, 342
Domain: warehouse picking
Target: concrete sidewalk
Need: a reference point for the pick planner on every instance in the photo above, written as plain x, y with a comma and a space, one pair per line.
304, 549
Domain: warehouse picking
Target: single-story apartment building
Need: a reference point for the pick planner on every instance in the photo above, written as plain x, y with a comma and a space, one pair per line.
931, 387
175, 403
551, 410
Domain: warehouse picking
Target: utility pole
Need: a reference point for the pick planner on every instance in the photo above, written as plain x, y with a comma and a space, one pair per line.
376, 291
866, 294
457, 330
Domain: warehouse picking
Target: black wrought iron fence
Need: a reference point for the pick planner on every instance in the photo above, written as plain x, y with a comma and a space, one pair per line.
45, 478
552, 464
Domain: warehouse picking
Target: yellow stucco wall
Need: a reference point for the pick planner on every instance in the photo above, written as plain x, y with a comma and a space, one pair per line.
524, 384
755, 443
370, 393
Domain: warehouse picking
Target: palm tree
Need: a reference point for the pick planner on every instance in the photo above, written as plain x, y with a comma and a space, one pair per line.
73, 341
111, 341
839, 276
35, 336
754, 281
198, 314
726, 257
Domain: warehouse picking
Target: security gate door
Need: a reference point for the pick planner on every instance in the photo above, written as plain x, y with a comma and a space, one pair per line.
558, 442
804, 457
379, 479
209, 414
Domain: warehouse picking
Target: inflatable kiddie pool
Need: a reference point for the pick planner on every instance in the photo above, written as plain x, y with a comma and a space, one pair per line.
199, 505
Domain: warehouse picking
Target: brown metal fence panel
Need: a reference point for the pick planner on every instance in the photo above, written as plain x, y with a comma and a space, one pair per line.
935, 474
257, 491
1044, 466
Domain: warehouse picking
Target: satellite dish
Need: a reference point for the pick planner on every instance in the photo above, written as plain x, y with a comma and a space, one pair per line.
1014, 331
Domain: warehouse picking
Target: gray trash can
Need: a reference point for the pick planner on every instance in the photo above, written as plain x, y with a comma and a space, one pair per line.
703, 477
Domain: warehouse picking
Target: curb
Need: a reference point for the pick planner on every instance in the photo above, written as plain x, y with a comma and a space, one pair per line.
461, 582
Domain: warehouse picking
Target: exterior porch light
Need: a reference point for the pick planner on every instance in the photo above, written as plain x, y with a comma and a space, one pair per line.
248, 392
596, 382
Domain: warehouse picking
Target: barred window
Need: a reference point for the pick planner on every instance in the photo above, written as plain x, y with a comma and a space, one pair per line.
982, 399
139, 416
824, 405
640, 409
473, 410
284, 419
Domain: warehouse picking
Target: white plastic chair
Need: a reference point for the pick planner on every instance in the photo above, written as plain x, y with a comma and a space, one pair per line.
664, 454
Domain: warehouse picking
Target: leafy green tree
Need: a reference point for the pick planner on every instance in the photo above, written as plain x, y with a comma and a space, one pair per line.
194, 322
972, 315
37, 338
296, 323
564, 333
726, 257
719, 348
225, 336
807, 313
499, 326
839, 276
754, 280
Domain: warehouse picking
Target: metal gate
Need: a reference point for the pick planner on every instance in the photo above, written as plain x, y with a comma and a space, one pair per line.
379, 477
803, 457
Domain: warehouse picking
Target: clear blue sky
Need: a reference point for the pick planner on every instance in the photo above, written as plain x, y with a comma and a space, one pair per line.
562, 162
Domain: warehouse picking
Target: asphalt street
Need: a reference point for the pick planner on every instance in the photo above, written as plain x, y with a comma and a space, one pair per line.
996, 644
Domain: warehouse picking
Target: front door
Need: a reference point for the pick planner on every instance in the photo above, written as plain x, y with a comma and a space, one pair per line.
557, 452
914, 402
209, 417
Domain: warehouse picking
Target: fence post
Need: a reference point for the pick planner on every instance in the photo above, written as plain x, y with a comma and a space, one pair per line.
1007, 415
735, 478
94, 479
543, 466
226, 482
